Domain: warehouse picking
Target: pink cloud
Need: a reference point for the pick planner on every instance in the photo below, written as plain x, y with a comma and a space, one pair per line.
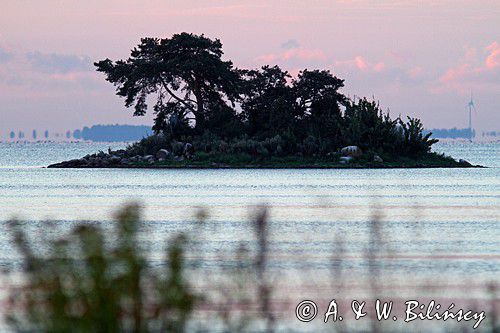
471, 74
415, 72
453, 74
293, 54
304, 54
493, 59
73, 76
39, 74
362, 64
267, 58
199, 11
378, 67
294, 72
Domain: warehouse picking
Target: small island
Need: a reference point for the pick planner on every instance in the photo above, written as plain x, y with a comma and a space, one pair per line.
209, 114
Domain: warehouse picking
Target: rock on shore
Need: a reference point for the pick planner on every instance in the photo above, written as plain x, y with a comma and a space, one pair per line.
121, 158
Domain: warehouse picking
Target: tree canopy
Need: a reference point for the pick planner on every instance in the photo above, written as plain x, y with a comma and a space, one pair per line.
197, 93
185, 72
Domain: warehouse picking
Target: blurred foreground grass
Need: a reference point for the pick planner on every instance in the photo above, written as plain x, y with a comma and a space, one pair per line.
92, 280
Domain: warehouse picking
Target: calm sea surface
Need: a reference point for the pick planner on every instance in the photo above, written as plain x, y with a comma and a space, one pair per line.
439, 225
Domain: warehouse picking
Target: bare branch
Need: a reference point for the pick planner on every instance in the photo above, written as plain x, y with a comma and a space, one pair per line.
171, 93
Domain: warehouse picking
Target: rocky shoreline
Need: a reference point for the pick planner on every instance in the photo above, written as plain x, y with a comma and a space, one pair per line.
121, 158
185, 157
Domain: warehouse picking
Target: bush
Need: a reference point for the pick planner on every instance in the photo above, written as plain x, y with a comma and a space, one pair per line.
149, 145
309, 146
262, 112
98, 280
90, 282
368, 127
177, 147
414, 141
364, 125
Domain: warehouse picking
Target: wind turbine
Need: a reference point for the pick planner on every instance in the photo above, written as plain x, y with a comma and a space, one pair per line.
471, 106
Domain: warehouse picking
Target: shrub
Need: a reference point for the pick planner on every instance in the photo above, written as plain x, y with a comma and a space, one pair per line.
364, 125
90, 282
149, 145
177, 147
414, 141
309, 146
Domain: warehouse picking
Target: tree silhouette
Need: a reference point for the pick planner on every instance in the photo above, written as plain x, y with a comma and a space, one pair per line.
319, 102
186, 73
269, 104
276, 114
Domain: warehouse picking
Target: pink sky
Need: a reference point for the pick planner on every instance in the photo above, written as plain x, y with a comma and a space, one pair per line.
420, 58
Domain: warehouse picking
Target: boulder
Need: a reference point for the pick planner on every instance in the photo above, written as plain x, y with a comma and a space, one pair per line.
113, 159
353, 151
136, 158
148, 159
177, 148
464, 163
378, 159
345, 159
163, 154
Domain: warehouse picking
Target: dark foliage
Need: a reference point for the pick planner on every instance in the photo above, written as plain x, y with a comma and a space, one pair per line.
414, 141
91, 282
186, 73
202, 98
94, 279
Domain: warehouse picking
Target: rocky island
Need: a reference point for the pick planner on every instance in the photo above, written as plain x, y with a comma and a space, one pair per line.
209, 114
183, 155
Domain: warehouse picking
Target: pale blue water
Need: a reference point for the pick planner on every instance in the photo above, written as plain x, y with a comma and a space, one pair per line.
440, 224
462, 204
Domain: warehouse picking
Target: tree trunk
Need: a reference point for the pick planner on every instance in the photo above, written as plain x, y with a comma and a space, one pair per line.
200, 110
200, 117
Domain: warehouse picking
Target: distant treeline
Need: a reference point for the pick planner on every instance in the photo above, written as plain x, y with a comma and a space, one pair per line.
452, 133
102, 133
117, 133
34, 135
112, 133
491, 133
